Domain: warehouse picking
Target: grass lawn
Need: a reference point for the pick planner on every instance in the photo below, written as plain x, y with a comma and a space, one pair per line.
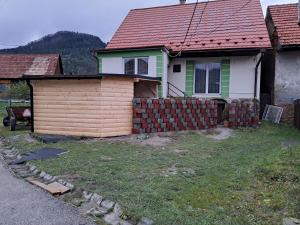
246, 179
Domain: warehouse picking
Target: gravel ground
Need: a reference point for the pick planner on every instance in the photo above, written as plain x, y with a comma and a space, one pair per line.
23, 204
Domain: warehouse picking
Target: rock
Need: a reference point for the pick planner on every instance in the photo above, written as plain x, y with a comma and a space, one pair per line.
145, 221
61, 181
87, 196
107, 204
103, 210
111, 219
35, 172
97, 198
69, 185
47, 177
290, 221
94, 212
117, 210
53, 179
42, 174
77, 201
32, 168
123, 222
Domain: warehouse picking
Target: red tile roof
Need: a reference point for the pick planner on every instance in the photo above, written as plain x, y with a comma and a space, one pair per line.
13, 66
285, 19
225, 24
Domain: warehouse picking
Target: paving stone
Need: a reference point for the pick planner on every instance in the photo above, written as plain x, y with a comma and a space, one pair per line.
107, 204
145, 221
290, 221
111, 219
96, 198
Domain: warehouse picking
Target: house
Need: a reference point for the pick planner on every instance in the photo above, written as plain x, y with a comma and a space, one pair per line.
14, 66
206, 49
283, 79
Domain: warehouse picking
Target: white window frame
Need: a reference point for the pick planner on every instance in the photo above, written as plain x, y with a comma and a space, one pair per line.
207, 79
136, 59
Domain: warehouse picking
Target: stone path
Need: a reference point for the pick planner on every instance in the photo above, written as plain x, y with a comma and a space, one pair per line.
24, 204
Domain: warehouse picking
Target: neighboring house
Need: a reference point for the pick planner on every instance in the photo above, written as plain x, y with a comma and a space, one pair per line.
204, 50
14, 66
283, 80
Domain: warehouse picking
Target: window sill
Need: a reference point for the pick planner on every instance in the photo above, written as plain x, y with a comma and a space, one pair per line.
207, 95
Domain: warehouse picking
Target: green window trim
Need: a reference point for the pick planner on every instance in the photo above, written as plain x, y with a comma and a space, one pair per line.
225, 78
100, 64
189, 78
159, 72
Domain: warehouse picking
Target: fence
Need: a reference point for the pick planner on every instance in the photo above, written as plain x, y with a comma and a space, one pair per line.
242, 113
163, 115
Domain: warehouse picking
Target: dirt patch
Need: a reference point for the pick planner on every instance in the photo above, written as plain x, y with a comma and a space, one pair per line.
219, 134
70, 177
155, 140
181, 151
171, 171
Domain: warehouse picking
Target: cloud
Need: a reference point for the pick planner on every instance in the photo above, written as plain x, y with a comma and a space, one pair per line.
22, 21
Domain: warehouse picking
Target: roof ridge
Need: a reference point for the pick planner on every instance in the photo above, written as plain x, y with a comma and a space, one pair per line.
178, 5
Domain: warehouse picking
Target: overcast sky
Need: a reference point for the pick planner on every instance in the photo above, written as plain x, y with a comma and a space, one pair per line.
22, 21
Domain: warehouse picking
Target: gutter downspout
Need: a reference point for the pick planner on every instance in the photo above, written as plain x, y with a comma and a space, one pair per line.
255, 82
31, 105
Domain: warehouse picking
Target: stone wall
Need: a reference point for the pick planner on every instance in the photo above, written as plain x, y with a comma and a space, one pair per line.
164, 115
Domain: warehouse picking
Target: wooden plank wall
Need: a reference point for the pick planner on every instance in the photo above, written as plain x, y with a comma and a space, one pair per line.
93, 108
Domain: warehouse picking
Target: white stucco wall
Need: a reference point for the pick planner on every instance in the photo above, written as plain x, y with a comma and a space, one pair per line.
287, 77
112, 65
242, 75
116, 65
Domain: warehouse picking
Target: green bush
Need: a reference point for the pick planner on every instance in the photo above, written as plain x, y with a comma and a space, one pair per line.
19, 90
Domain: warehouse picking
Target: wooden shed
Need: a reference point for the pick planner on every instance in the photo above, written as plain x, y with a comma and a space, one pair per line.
91, 106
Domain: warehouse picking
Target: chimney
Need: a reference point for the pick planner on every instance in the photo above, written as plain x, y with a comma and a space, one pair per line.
184, 1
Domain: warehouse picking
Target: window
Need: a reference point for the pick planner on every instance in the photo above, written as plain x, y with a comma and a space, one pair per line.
142, 66
129, 65
207, 78
136, 66
177, 68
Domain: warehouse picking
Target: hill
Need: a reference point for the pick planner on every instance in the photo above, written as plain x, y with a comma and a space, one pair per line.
73, 47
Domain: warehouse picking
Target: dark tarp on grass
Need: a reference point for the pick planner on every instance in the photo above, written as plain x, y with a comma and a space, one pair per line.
40, 154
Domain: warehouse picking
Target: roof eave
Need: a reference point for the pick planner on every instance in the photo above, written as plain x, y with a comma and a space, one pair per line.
142, 48
225, 52
88, 77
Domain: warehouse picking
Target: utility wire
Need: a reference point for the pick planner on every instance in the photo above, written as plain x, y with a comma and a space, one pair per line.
226, 20
187, 32
200, 20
